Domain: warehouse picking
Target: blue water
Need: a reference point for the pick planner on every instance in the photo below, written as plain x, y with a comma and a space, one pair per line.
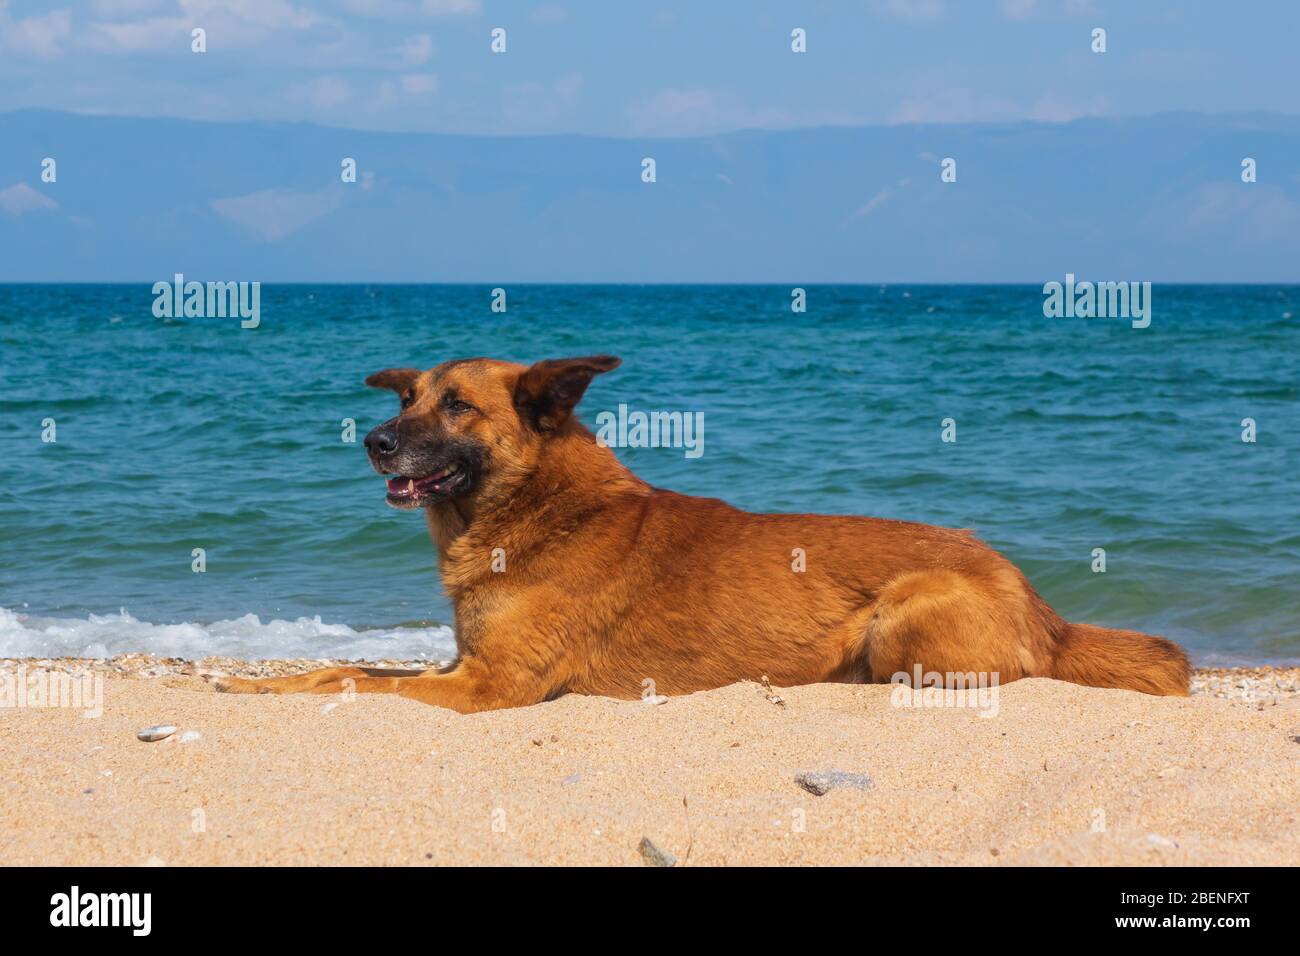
1072, 434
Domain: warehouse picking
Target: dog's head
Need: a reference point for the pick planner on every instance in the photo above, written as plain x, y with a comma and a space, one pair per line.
475, 426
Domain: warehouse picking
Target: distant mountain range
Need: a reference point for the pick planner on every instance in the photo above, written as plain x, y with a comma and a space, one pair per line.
1156, 198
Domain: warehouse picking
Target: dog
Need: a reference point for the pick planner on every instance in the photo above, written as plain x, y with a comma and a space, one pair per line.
568, 574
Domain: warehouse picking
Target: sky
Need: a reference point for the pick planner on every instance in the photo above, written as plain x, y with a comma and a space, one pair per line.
656, 69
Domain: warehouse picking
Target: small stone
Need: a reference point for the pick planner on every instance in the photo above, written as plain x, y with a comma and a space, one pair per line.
772, 696
654, 856
156, 733
820, 784
190, 736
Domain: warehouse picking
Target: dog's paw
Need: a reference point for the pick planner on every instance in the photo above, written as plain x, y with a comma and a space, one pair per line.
225, 684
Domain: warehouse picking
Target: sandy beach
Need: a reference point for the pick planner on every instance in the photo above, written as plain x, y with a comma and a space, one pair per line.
1060, 775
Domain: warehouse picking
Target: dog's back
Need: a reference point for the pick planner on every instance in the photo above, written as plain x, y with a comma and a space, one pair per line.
690, 593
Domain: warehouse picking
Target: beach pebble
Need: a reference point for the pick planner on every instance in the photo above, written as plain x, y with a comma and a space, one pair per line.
159, 732
190, 736
654, 856
822, 783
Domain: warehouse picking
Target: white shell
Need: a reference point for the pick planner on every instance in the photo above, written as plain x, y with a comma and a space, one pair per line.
190, 736
160, 732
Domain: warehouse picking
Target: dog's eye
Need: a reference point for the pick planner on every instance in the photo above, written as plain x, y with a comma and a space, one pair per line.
407, 399
456, 406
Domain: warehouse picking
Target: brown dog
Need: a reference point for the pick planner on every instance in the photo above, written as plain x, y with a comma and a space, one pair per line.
571, 575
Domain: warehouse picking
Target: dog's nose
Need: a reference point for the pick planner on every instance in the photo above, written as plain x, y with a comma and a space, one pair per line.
382, 440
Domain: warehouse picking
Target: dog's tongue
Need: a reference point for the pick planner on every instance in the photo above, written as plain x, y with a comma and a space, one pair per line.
409, 486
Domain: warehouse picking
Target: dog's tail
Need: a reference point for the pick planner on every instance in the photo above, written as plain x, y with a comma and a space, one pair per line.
1106, 657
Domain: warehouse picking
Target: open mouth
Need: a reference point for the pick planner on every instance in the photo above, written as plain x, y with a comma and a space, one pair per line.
408, 492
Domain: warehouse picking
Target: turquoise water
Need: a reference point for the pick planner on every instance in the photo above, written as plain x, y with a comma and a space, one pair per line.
1072, 434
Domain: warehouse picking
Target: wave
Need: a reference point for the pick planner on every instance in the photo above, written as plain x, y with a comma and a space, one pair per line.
247, 638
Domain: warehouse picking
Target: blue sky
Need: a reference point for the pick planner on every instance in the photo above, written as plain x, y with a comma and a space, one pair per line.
646, 69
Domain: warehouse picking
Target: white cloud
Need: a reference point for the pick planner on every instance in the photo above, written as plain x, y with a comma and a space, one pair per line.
273, 214
675, 112
125, 8
1017, 9
1252, 213
323, 93
1081, 8
266, 14
703, 112
530, 106
549, 15
420, 84
450, 8
916, 11
955, 105
36, 36
1053, 107
230, 24
1025, 9
880, 198
159, 34
21, 198
417, 49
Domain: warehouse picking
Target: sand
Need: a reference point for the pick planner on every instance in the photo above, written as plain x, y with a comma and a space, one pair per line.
1061, 775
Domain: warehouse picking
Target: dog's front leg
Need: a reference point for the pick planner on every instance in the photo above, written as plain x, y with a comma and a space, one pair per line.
469, 687
300, 683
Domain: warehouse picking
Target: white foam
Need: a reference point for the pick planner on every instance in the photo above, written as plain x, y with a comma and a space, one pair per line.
24, 635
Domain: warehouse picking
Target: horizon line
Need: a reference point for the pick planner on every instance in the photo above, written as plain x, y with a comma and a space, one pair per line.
656, 284
986, 123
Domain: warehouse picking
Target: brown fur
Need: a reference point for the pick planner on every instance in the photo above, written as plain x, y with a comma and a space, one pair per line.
610, 583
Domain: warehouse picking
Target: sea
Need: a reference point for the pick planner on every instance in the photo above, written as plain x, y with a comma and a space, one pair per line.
1141, 477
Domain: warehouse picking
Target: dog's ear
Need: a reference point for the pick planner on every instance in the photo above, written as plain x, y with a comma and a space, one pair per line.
547, 392
397, 379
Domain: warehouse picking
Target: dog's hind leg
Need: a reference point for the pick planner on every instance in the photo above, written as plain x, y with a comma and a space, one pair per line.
302, 683
951, 623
